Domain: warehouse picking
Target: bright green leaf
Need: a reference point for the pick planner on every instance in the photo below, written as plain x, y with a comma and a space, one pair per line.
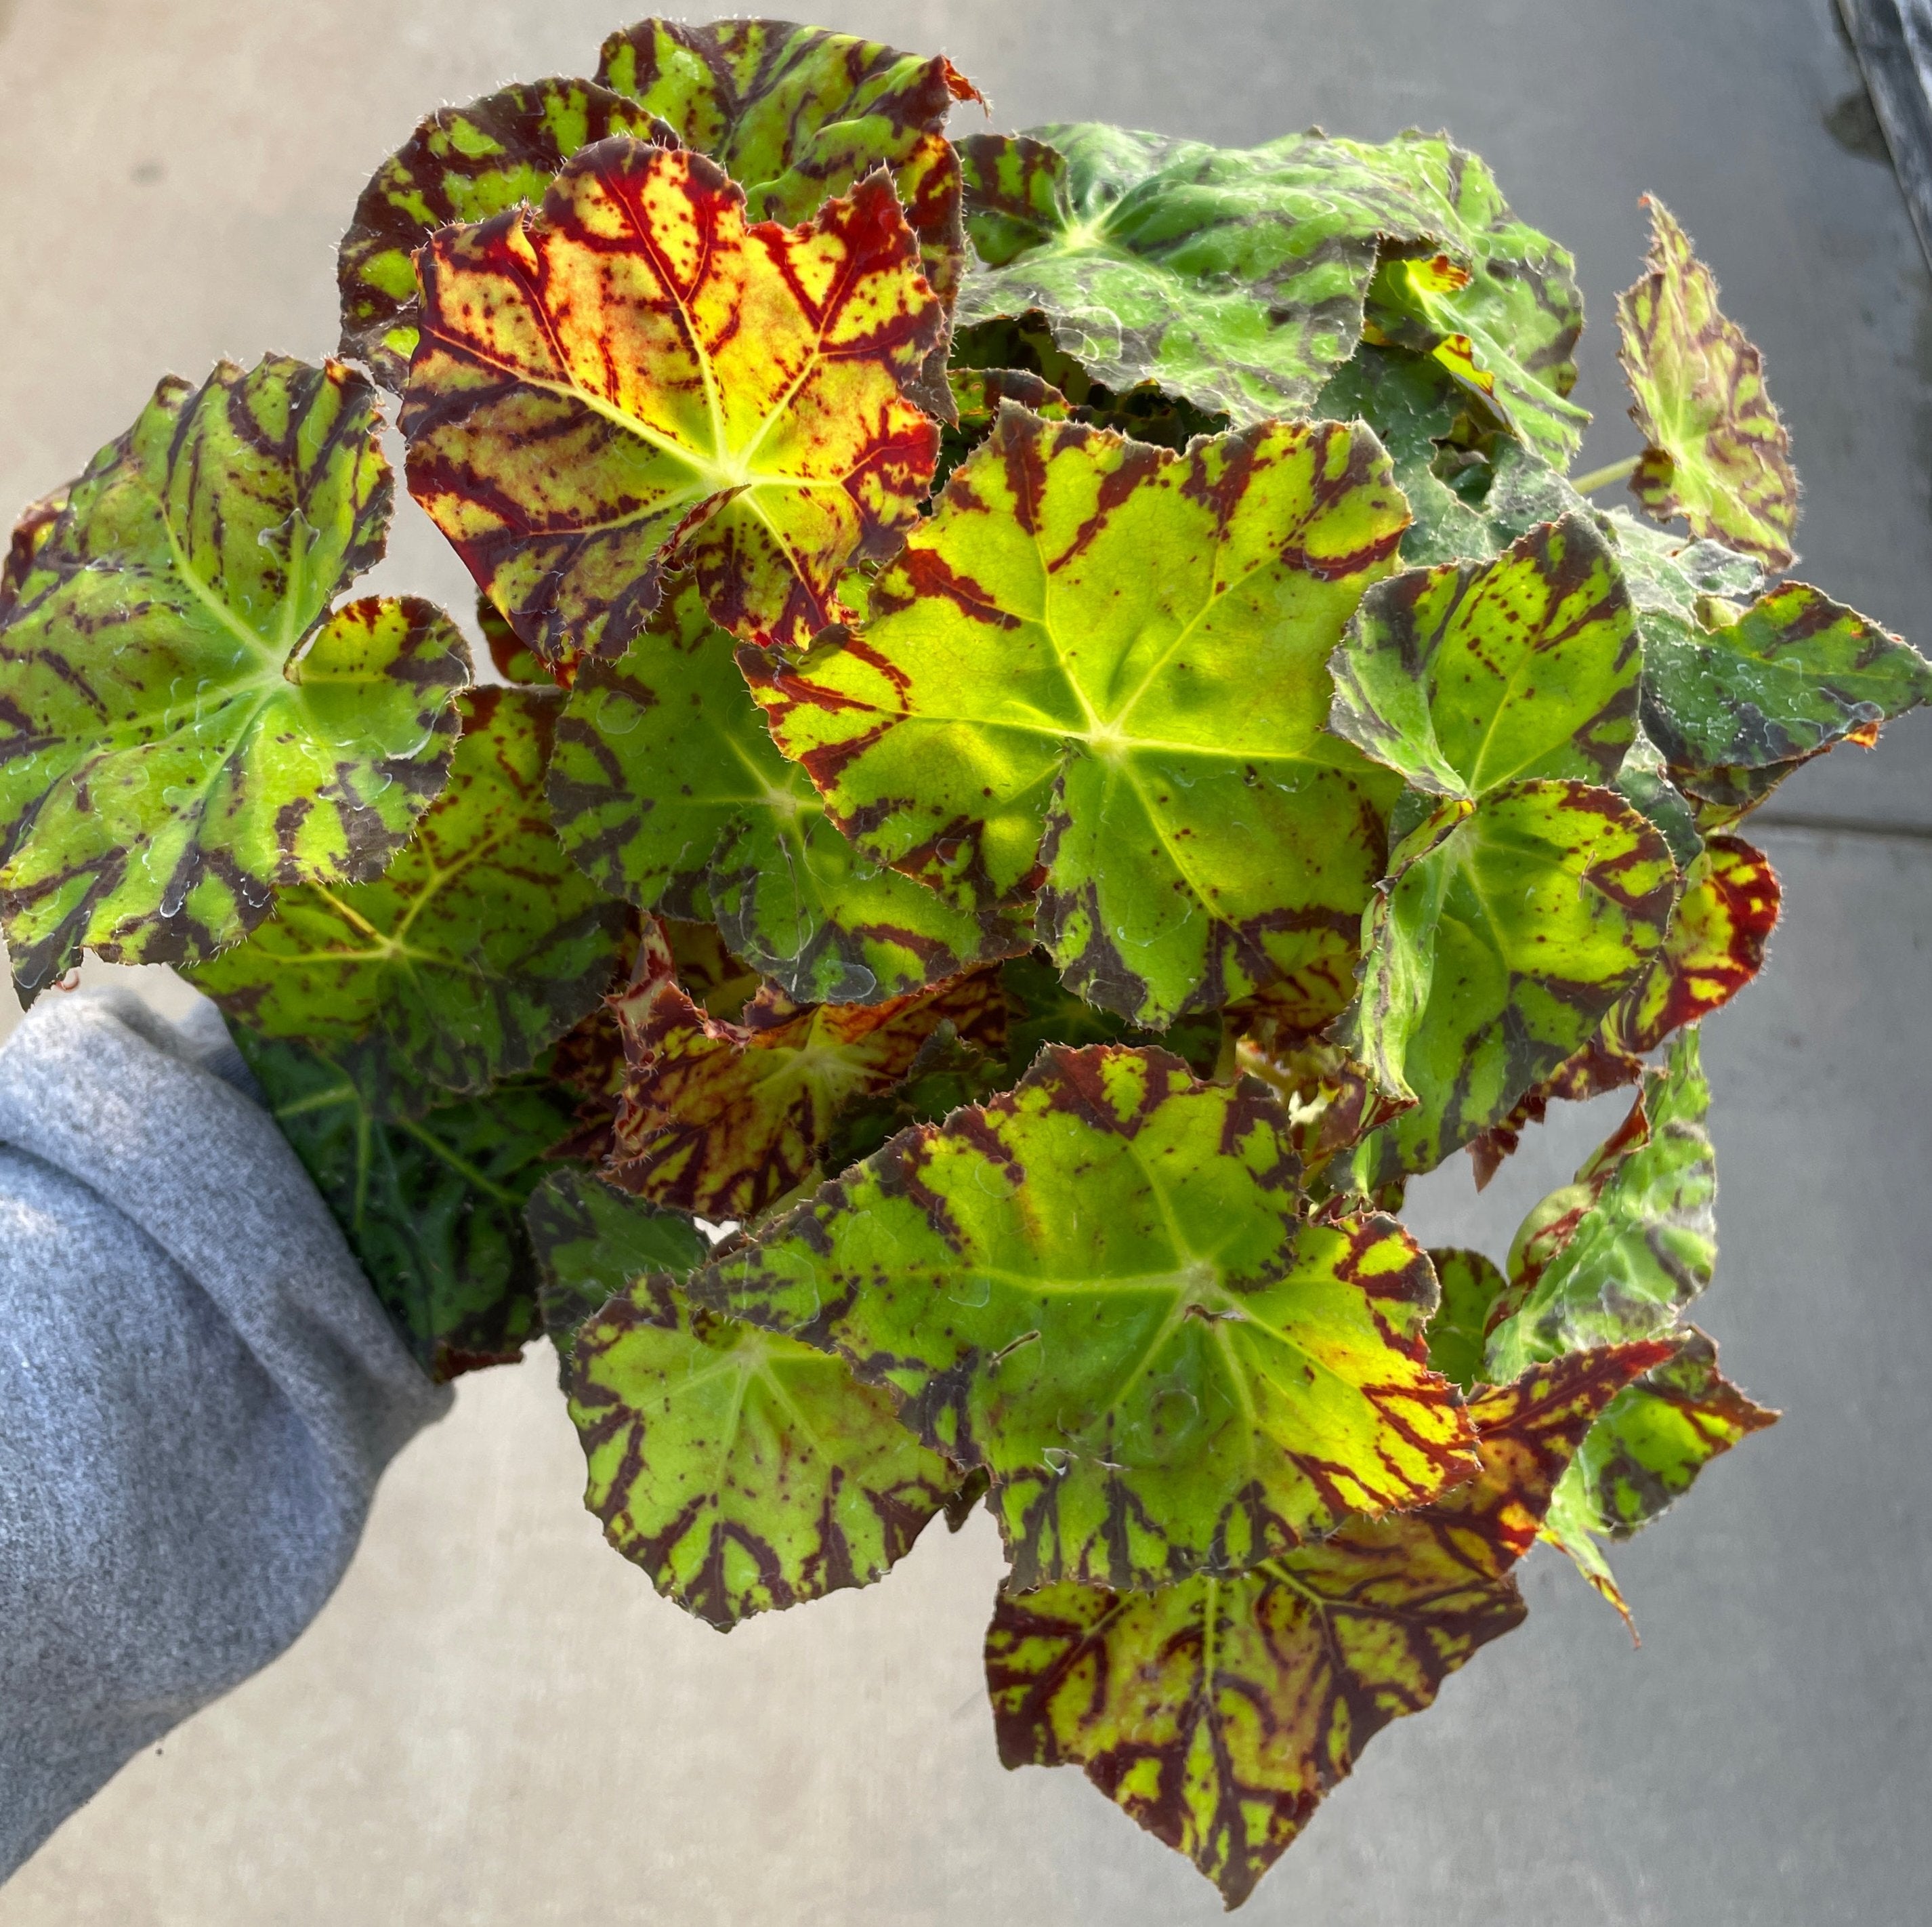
1471, 1284
1506, 930
1100, 1288
743, 1470
185, 727
1467, 677
432, 1205
1101, 668
666, 790
481, 945
631, 367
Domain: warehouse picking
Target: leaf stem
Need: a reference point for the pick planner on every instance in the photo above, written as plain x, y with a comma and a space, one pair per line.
1602, 477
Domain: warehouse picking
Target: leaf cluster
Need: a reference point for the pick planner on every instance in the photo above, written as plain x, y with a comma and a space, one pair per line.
1060, 731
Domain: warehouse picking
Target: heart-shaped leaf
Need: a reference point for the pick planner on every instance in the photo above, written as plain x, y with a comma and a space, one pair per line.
1465, 678
185, 728
743, 1470
591, 1240
723, 1119
1616, 1254
1507, 929
1100, 1287
432, 1205
1795, 674
797, 115
461, 164
1103, 666
481, 945
1719, 455
1219, 1712
633, 366
666, 790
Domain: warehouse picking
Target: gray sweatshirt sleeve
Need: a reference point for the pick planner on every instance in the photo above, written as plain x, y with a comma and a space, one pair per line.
198, 1392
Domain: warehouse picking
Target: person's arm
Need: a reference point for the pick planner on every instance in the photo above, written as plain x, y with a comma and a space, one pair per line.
198, 1392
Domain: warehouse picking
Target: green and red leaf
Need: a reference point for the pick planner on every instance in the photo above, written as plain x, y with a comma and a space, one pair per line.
1465, 678
634, 367
1220, 1712
478, 948
1100, 1288
1616, 1254
461, 164
1718, 455
743, 1470
1507, 929
724, 1119
797, 115
667, 790
1099, 672
186, 727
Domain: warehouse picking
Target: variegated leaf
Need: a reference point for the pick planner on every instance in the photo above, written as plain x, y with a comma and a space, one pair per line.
1465, 678
479, 947
1508, 928
461, 164
186, 725
745, 1471
1714, 947
724, 1119
1736, 696
1619, 1253
633, 366
1099, 671
591, 1241
797, 115
1719, 454
1472, 1285
1100, 1287
666, 790
1220, 1712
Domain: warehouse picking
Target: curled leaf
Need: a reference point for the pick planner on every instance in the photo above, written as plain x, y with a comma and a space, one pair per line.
1099, 671
1719, 454
480, 947
1099, 1288
1616, 1254
1220, 1712
745, 1471
186, 726
723, 1119
633, 366
797, 115
432, 1205
666, 790
1793, 676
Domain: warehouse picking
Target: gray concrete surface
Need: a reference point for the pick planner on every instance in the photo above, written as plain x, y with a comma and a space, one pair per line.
496, 1721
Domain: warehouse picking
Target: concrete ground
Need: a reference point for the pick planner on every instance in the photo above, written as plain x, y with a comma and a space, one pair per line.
496, 1721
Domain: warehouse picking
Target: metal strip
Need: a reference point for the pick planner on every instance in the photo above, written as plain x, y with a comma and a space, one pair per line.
1893, 40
